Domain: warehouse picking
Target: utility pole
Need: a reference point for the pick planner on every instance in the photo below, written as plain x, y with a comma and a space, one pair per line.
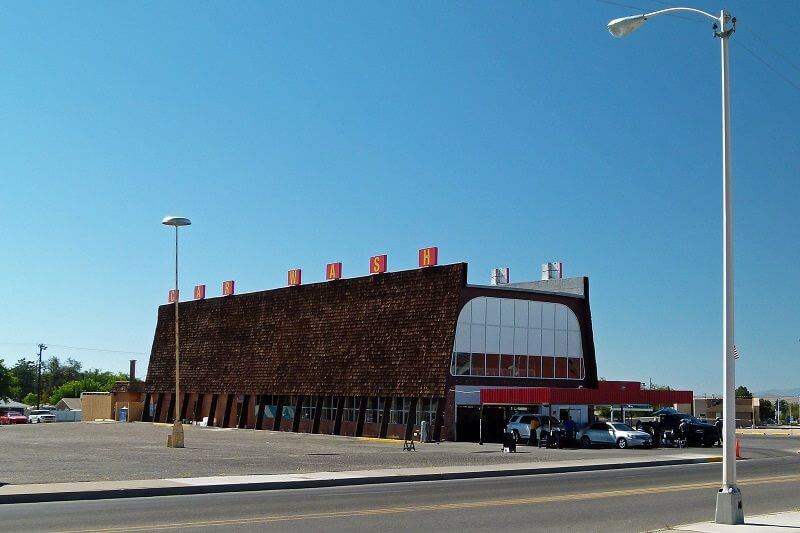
42, 347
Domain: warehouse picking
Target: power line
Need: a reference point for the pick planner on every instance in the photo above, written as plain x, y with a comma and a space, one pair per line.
769, 66
83, 348
775, 50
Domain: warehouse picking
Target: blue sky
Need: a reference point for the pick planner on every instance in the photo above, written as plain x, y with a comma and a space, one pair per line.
507, 134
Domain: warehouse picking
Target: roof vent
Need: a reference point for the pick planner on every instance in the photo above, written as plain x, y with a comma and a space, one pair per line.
501, 276
552, 271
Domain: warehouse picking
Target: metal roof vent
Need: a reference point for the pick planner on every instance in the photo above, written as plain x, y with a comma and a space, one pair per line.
501, 276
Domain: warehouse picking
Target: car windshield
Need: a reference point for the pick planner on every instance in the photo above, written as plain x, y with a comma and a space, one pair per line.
691, 419
621, 427
40, 412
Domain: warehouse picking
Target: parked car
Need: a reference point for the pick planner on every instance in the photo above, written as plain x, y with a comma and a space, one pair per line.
12, 417
519, 425
700, 433
41, 415
613, 434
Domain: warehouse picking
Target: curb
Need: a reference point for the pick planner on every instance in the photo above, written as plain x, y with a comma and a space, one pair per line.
139, 492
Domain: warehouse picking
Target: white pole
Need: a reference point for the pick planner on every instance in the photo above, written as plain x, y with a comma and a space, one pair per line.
177, 429
729, 502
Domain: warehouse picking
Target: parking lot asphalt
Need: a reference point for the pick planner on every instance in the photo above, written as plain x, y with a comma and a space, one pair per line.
68, 452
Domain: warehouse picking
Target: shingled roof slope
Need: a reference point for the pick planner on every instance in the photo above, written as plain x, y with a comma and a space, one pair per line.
389, 334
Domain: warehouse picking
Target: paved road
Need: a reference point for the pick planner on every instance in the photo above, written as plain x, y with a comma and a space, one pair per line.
623, 500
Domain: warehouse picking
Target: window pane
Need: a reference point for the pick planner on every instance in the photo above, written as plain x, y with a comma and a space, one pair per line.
561, 367
548, 342
507, 365
534, 342
462, 338
520, 341
507, 312
547, 367
478, 338
478, 364
479, 311
506, 340
462, 364
561, 316
492, 364
465, 316
574, 344
520, 313
561, 343
535, 314
520, 366
574, 369
493, 311
534, 367
492, 339
548, 316
572, 321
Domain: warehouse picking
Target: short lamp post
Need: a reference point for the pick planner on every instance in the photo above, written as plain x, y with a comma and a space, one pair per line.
177, 428
729, 498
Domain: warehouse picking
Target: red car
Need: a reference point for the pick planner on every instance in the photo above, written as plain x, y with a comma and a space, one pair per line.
13, 417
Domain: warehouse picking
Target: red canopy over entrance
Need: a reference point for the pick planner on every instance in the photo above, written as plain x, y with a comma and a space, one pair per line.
607, 393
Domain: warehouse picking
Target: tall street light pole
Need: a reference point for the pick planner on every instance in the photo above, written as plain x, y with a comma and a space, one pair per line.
42, 347
177, 428
729, 497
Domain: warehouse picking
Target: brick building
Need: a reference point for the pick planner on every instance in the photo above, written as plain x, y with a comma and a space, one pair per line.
370, 356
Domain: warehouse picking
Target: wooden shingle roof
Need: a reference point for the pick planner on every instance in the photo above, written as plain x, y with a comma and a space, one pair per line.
389, 334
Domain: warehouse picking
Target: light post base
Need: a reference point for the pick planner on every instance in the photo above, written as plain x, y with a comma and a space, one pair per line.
176, 439
729, 506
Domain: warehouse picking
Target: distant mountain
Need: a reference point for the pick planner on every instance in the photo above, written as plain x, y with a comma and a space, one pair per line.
778, 392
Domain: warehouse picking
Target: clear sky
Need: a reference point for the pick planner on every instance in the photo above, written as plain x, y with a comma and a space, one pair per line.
506, 133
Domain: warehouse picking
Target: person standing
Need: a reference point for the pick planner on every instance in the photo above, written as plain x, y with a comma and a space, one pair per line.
718, 425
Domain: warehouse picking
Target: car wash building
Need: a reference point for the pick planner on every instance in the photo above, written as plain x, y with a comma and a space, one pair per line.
378, 355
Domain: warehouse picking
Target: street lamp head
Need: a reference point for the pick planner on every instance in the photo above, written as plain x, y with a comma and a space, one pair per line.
176, 221
625, 25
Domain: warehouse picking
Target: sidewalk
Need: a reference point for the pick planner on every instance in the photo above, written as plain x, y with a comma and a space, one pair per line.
92, 490
765, 522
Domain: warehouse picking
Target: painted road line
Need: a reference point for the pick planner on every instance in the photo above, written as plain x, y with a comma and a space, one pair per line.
445, 506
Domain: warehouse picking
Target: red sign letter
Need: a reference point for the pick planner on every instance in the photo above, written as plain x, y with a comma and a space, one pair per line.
295, 277
199, 292
173, 296
429, 257
227, 288
377, 264
333, 271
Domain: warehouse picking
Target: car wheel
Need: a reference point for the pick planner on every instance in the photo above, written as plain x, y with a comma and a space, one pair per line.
515, 433
586, 442
622, 443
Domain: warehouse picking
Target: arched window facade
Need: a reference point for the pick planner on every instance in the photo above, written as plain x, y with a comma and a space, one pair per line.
509, 338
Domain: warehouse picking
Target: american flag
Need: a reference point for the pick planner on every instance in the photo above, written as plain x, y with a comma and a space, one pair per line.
735, 352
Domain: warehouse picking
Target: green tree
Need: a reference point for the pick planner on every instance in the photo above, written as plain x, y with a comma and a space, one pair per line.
30, 398
766, 410
8, 383
742, 392
25, 372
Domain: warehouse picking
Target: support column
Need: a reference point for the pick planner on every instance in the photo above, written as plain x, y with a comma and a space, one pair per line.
260, 416
170, 416
228, 404
198, 407
362, 414
337, 425
146, 408
412, 418
243, 412
317, 414
212, 411
184, 405
387, 407
276, 425
439, 422
298, 411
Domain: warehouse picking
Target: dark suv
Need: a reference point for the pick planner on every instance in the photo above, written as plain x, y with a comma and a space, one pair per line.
700, 433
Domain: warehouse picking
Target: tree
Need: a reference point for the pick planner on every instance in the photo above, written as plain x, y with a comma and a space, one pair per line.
8, 382
25, 372
742, 392
766, 410
30, 398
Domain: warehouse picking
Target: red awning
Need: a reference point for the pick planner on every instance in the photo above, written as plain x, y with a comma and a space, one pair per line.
607, 393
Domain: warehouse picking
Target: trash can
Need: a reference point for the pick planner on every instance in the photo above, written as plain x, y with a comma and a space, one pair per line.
123, 414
